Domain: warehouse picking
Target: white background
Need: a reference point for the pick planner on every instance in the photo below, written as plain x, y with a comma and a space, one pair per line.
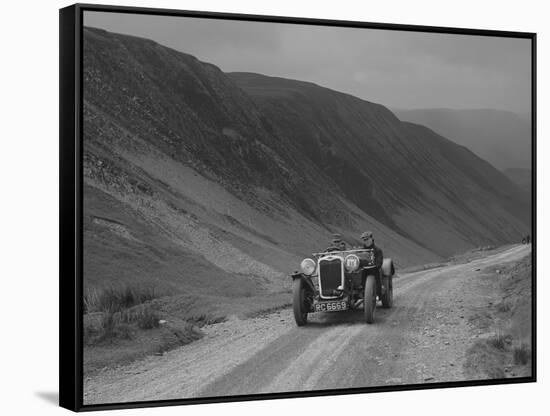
29, 206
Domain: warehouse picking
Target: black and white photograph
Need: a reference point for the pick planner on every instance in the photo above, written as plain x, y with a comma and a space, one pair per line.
289, 208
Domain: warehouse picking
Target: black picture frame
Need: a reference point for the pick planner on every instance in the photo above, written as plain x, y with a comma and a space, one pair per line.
71, 201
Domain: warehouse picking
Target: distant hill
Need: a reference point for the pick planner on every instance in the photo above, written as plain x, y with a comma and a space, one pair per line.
219, 184
415, 181
521, 177
502, 138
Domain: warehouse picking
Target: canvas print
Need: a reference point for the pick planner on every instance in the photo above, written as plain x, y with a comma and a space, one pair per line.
279, 207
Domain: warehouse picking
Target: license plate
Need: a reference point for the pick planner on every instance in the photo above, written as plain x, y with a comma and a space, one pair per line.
331, 306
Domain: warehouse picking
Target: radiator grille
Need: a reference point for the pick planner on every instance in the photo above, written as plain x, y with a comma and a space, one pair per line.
330, 276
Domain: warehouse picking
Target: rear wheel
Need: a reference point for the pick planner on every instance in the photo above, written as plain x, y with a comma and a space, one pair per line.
387, 298
298, 302
369, 302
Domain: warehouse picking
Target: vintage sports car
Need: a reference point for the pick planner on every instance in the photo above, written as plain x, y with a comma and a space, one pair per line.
341, 280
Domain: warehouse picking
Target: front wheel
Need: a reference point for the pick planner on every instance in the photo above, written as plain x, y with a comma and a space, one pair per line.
298, 302
387, 298
369, 302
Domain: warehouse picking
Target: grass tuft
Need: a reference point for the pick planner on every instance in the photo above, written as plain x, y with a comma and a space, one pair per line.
206, 319
522, 354
106, 328
111, 299
499, 341
504, 307
143, 316
117, 312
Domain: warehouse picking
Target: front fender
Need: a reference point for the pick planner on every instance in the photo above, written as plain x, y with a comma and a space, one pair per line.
387, 267
306, 279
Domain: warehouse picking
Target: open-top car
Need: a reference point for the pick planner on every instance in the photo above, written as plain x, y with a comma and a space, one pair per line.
340, 280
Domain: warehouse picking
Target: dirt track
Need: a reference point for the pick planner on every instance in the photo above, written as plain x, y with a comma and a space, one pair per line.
423, 339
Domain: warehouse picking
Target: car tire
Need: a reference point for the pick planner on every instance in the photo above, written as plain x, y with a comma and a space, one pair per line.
369, 301
387, 298
298, 302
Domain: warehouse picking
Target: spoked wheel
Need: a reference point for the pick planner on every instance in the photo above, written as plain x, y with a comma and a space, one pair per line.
369, 303
299, 302
387, 298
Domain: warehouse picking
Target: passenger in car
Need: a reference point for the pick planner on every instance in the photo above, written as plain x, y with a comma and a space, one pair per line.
337, 243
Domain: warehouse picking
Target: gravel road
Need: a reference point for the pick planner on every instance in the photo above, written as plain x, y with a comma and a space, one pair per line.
423, 339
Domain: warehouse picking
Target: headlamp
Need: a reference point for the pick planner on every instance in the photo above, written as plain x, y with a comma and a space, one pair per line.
308, 266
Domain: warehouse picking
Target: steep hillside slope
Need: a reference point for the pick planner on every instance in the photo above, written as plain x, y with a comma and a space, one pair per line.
502, 138
430, 189
188, 185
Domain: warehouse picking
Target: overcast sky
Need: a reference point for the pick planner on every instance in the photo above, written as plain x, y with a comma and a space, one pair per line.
401, 70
